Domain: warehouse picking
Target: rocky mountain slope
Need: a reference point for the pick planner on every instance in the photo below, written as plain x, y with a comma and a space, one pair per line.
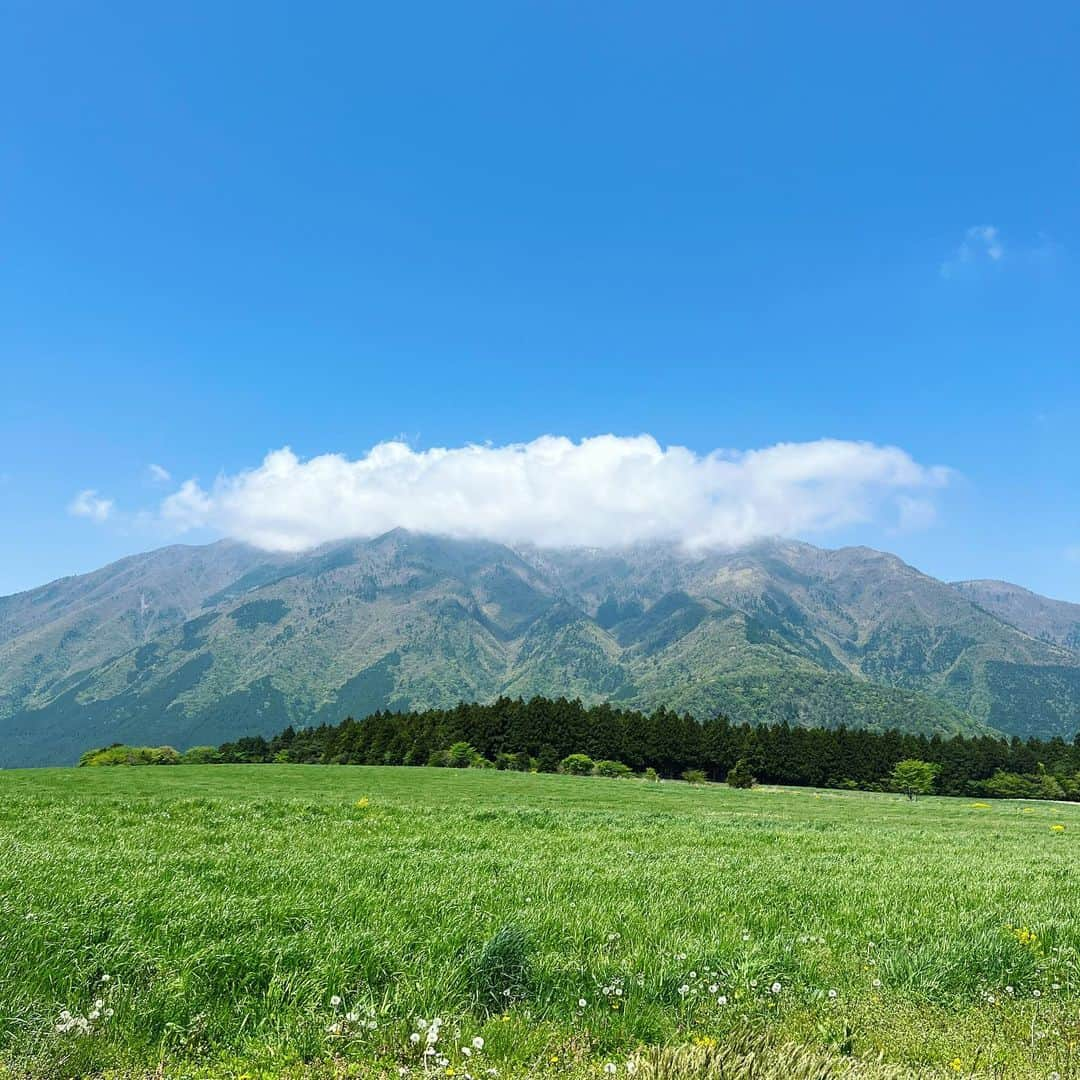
194, 645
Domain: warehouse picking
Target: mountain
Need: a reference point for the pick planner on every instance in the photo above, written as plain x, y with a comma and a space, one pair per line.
1055, 621
192, 645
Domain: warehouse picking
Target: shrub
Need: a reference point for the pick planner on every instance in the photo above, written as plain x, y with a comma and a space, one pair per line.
577, 765
547, 760
202, 755
1009, 785
502, 973
460, 756
694, 776
740, 775
118, 754
439, 759
513, 762
616, 770
651, 775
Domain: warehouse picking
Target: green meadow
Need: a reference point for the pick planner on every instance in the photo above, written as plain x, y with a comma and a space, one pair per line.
198, 921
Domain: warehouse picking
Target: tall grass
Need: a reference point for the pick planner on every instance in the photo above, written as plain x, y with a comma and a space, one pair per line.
220, 913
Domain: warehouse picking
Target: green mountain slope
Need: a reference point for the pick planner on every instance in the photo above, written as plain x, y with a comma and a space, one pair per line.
1056, 621
202, 644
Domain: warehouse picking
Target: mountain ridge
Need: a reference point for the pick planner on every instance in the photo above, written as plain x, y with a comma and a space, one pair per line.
192, 644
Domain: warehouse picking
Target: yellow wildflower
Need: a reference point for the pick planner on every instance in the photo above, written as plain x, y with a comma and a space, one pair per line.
362, 804
957, 1065
1057, 828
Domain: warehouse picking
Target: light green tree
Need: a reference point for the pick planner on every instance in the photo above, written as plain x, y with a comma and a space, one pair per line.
913, 777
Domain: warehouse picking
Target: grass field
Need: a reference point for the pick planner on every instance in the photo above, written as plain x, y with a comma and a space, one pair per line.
217, 914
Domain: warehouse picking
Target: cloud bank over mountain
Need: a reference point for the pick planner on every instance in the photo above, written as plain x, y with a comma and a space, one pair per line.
604, 491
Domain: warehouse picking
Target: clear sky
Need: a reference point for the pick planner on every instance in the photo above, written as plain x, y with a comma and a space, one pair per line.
230, 228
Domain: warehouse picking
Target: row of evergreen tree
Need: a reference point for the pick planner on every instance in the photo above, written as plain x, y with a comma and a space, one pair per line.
544, 731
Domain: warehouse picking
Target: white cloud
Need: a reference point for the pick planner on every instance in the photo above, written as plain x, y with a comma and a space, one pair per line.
90, 505
981, 246
159, 474
602, 491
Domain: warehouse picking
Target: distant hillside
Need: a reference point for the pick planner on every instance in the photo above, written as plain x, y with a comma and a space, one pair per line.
194, 645
1048, 620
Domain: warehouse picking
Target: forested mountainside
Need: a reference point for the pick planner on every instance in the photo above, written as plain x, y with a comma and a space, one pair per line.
191, 645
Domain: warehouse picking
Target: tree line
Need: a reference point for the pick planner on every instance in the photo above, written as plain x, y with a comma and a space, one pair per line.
542, 732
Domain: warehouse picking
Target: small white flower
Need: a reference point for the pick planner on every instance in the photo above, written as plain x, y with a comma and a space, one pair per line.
352, 1017
618, 991
722, 999
832, 994
335, 1001
466, 1051
581, 1003
713, 988
876, 984
414, 1038
478, 1043
775, 988
611, 1068
1055, 986
684, 989
1036, 993
105, 978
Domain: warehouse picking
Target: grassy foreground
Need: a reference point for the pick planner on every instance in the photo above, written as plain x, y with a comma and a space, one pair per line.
198, 921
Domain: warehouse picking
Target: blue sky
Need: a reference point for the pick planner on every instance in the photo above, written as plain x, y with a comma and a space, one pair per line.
226, 229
